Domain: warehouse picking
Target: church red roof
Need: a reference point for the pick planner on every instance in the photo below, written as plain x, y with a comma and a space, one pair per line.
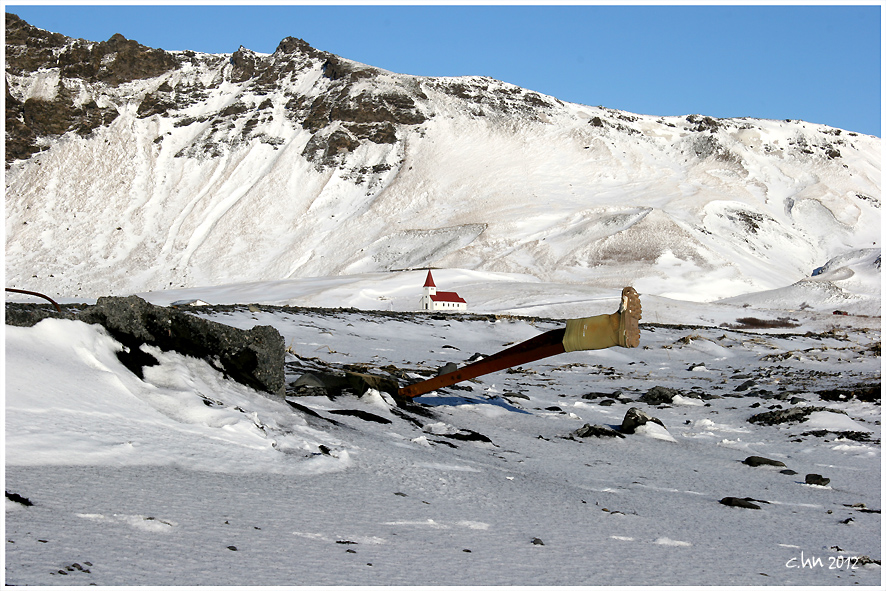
448, 296
429, 282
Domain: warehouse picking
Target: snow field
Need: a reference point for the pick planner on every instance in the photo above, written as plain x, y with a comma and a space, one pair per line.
161, 478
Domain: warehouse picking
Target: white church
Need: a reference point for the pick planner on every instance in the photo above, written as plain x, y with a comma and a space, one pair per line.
441, 300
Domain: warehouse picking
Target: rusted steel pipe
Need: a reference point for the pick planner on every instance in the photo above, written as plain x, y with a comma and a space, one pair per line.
544, 345
39, 295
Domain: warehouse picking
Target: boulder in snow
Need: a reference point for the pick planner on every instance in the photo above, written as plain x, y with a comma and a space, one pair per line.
252, 357
635, 418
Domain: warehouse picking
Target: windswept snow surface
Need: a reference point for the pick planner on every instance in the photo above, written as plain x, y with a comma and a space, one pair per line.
185, 478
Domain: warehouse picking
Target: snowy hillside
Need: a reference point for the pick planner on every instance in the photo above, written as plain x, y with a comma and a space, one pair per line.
133, 170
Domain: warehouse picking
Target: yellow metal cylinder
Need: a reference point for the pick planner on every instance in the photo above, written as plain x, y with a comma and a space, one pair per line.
595, 332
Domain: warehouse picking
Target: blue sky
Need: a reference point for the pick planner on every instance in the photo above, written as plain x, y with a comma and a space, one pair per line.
817, 63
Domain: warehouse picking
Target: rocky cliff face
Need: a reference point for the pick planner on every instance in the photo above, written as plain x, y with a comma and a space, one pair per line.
131, 168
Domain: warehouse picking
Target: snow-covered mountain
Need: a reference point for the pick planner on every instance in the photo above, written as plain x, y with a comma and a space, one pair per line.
132, 169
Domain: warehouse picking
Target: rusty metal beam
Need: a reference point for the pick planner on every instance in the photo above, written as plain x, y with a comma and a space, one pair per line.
544, 345
39, 295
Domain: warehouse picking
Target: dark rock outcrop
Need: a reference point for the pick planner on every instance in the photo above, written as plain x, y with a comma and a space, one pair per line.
113, 62
252, 357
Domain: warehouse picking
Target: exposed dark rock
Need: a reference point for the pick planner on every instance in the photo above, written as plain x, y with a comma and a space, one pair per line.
861, 436
589, 430
17, 498
799, 415
310, 412
336, 383
862, 392
594, 395
745, 385
244, 62
817, 480
466, 435
537, 542
363, 382
659, 395
30, 314
448, 368
761, 461
254, 357
318, 384
111, 62
635, 418
295, 45
736, 502
789, 472
362, 414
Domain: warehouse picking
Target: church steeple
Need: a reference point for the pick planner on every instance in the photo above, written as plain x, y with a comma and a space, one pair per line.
430, 286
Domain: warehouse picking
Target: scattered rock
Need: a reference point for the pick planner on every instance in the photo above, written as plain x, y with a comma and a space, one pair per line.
363, 382
589, 430
595, 395
745, 386
659, 395
789, 472
334, 384
776, 417
736, 502
362, 414
448, 368
232, 548
537, 542
310, 412
860, 436
761, 461
316, 384
17, 498
862, 392
817, 480
466, 435
635, 418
